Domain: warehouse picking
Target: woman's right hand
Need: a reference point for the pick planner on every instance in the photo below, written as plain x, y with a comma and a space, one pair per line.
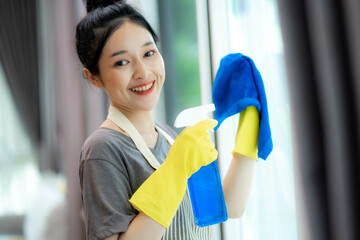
160, 195
193, 149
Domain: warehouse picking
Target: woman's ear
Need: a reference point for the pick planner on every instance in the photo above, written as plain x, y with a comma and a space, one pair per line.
95, 80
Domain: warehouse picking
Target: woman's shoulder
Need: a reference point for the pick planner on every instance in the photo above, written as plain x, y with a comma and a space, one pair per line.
105, 143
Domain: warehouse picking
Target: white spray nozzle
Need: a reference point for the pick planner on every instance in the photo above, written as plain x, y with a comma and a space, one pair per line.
191, 116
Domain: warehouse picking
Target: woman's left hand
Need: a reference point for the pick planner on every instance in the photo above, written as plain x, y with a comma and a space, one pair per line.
247, 134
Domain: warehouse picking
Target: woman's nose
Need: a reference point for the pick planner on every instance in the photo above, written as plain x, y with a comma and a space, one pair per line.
141, 70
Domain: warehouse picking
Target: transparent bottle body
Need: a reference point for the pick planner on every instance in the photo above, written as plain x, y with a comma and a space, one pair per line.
207, 197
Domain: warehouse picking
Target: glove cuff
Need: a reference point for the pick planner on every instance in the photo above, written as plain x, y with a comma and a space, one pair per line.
247, 134
158, 198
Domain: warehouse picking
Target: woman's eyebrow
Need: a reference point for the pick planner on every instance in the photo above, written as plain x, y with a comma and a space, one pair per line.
117, 53
148, 43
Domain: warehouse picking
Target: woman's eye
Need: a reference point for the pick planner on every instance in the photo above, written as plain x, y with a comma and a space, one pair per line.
149, 53
121, 63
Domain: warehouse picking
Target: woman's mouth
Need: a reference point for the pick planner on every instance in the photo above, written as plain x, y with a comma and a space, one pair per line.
143, 89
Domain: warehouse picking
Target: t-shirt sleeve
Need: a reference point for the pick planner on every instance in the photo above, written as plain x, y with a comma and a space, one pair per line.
105, 194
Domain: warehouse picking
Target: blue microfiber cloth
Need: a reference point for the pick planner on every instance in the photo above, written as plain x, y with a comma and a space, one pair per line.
238, 84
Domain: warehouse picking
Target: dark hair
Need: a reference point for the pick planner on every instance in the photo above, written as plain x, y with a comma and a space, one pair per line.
103, 18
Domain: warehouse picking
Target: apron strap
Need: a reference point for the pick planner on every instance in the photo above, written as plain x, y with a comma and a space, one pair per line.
120, 119
165, 134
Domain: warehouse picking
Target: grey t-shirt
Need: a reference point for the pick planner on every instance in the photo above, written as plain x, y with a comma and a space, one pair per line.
111, 170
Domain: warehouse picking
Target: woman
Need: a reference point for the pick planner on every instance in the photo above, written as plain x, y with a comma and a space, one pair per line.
123, 196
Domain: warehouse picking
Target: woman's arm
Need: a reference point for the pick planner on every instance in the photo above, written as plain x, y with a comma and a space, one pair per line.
238, 180
142, 227
237, 184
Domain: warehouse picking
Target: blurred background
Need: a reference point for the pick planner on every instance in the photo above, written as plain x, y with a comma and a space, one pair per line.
308, 55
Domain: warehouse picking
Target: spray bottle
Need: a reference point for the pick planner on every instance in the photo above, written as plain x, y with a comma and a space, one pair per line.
206, 194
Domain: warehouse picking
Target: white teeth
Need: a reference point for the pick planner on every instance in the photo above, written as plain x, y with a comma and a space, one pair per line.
140, 89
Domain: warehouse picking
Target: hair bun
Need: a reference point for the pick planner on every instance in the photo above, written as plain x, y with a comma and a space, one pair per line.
91, 5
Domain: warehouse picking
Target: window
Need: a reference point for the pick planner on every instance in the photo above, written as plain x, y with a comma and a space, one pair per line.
252, 28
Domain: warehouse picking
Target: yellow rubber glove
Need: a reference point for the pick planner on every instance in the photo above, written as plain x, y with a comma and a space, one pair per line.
247, 134
160, 195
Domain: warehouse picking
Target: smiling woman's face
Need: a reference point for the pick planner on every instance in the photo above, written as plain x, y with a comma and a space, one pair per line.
131, 69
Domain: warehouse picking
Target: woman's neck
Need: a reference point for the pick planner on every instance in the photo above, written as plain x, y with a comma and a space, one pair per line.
143, 121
